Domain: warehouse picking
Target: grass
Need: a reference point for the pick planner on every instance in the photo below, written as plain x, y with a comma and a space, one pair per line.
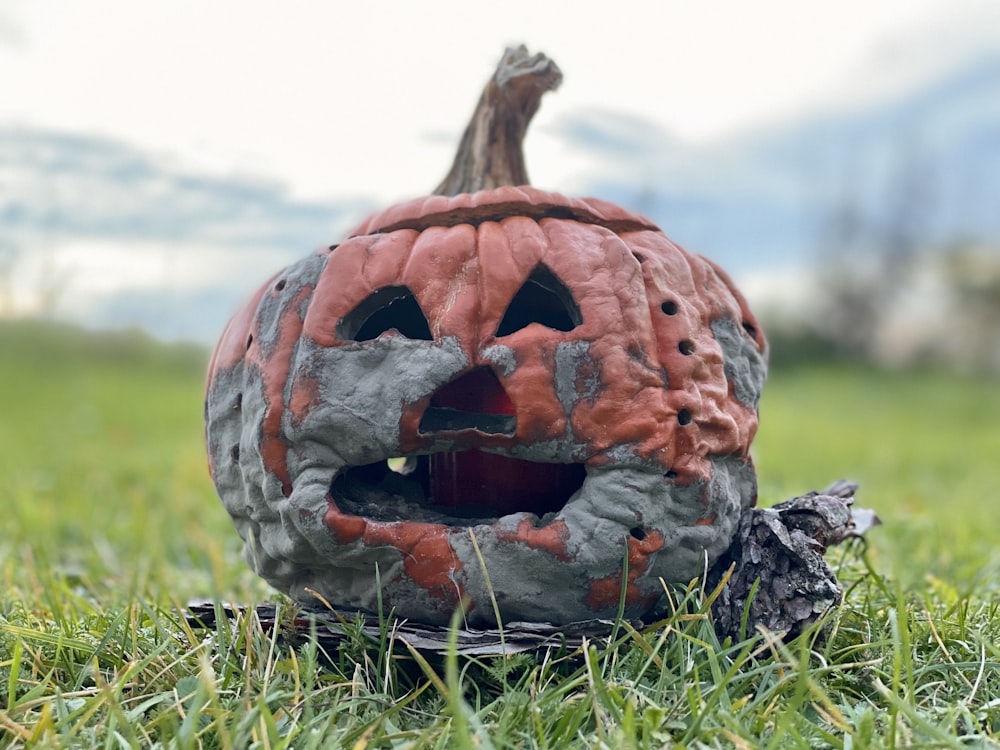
110, 524
922, 445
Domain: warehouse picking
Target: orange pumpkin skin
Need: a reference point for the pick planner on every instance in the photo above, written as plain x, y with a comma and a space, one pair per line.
522, 332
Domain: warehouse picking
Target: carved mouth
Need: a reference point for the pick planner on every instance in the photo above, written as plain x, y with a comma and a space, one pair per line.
455, 488
467, 482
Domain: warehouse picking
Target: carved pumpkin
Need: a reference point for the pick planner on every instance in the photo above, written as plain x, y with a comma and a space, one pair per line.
505, 393
566, 384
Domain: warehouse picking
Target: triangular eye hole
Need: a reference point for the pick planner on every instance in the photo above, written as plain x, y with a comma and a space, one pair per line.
544, 299
385, 309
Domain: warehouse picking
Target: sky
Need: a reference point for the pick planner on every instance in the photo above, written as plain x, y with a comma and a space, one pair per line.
356, 105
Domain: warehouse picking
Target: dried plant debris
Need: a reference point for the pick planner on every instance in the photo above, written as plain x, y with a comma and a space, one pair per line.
333, 629
777, 580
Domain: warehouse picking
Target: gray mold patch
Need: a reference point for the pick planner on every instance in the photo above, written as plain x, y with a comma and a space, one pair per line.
535, 585
252, 495
624, 455
363, 390
502, 357
744, 365
732, 488
559, 451
576, 376
350, 581
529, 584
224, 428
296, 277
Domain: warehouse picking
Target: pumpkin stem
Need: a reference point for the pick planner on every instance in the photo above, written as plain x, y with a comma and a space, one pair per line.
490, 153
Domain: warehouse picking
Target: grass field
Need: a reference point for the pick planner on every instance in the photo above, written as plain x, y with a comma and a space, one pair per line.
109, 525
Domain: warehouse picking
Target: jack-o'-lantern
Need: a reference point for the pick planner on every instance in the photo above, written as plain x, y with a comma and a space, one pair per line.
503, 397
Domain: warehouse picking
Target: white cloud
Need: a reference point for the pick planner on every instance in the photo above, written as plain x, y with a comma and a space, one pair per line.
79, 275
341, 99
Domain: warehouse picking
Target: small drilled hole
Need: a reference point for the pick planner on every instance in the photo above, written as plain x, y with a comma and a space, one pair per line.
279, 286
670, 474
637, 533
684, 416
686, 347
669, 307
234, 453
238, 403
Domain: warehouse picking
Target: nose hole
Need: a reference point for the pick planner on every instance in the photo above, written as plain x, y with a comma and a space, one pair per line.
475, 401
476, 391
